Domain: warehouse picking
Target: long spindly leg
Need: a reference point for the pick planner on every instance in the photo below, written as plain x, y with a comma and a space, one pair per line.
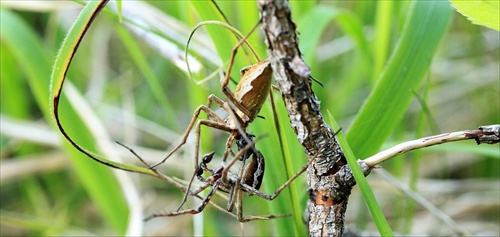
239, 211
253, 174
227, 92
234, 186
178, 185
214, 99
252, 190
240, 154
210, 113
215, 179
236, 193
192, 211
187, 212
228, 151
158, 174
254, 169
235, 189
208, 123
235, 121
256, 192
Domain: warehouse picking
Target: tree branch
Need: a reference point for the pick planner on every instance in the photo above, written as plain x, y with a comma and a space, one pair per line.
329, 177
485, 134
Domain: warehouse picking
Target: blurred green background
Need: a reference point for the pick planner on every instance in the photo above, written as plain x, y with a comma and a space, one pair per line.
132, 75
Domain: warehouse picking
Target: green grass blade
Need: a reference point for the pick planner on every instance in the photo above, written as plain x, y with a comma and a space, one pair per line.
299, 227
351, 24
320, 17
385, 106
61, 64
375, 210
278, 169
99, 181
154, 83
382, 37
14, 87
119, 10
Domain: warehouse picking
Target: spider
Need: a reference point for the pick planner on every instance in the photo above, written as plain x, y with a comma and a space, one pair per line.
243, 107
248, 180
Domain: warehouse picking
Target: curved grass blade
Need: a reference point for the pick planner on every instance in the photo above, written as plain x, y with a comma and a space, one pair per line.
223, 40
217, 23
35, 62
61, 66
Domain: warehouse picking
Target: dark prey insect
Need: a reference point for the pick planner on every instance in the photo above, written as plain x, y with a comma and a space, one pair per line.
248, 180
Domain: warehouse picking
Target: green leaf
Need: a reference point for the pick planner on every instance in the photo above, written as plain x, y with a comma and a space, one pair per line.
389, 100
485, 13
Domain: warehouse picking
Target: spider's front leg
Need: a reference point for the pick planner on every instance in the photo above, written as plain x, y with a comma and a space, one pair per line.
252, 190
214, 180
216, 122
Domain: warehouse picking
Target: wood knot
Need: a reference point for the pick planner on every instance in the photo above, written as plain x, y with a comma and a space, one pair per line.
323, 200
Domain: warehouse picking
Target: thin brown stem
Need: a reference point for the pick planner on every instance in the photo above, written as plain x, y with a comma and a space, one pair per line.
480, 135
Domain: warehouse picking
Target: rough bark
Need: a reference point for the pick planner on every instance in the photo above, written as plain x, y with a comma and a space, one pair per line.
329, 177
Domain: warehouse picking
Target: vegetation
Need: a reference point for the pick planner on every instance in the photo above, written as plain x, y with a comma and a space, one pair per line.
131, 78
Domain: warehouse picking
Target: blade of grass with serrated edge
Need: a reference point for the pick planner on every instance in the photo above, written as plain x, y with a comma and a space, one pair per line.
98, 180
60, 67
481, 12
375, 210
425, 26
